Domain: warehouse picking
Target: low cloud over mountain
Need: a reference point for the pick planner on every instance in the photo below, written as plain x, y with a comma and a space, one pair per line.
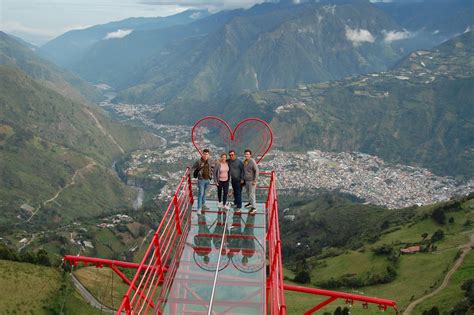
118, 34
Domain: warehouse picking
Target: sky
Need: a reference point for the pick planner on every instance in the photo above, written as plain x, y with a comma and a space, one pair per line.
38, 21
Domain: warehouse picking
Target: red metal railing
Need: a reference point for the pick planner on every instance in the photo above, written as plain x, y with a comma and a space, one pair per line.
275, 290
275, 285
163, 254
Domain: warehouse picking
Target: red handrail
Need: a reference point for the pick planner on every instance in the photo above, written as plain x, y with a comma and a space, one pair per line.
169, 238
275, 291
275, 285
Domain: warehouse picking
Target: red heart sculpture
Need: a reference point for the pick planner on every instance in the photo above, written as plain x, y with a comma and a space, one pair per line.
252, 133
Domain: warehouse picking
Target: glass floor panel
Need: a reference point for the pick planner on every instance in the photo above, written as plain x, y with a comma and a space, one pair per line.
227, 277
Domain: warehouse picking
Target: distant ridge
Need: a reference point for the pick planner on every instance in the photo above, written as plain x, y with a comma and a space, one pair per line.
68, 48
14, 53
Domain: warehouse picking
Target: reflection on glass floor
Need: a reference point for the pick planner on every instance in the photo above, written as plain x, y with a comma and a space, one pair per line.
225, 277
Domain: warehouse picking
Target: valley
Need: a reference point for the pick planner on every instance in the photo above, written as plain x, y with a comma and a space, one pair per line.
367, 177
372, 110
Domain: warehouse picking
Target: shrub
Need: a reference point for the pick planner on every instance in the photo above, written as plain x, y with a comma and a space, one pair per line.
438, 216
437, 236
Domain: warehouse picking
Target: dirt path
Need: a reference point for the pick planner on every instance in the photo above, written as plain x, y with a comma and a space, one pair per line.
73, 181
465, 250
144, 239
101, 128
89, 297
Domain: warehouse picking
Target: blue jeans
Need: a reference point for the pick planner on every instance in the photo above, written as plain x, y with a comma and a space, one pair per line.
237, 192
202, 186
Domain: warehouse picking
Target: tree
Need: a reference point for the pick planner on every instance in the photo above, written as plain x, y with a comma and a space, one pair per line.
42, 258
439, 216
384, 249
438, 235
433, 311
468, 287
302, 272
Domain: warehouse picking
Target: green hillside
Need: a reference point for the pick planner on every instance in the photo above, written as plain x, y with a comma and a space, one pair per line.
38, 290
51, 146
15, 54
374, 267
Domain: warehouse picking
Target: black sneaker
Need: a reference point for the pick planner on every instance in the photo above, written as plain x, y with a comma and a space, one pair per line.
248, 205
252, 211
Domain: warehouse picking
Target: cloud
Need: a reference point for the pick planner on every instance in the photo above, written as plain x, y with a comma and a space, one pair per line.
14, 26
358, 36
118, 34
195, 15
392, 36
212, 5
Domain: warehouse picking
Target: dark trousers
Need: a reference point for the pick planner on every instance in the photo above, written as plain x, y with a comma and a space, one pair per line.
237, 193
223, 186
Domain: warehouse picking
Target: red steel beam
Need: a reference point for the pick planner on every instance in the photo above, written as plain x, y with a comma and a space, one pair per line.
320, 305
340, 295
102, 262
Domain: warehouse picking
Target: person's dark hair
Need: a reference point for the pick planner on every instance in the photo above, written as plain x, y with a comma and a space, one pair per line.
248, 150
223, 153
205, 151
231, 151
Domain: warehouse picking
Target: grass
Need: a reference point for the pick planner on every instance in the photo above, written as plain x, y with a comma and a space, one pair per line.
33, 289
417, 274
103, 283
453, 293
352, 263
30, 287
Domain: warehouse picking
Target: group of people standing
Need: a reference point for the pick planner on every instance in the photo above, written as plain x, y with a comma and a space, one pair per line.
228, 169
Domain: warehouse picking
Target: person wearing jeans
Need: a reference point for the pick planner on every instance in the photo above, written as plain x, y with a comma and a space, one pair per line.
236, 169
202, 187
250, 178
204, 175
221, 175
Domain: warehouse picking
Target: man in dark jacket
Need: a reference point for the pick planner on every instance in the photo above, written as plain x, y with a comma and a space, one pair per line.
204, 168
236, 169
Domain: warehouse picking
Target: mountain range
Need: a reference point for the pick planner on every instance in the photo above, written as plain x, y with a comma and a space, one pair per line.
66, 49
14, 53
418, 113
271, 45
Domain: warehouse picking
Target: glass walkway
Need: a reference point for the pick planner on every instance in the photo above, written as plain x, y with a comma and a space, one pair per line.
222, 267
